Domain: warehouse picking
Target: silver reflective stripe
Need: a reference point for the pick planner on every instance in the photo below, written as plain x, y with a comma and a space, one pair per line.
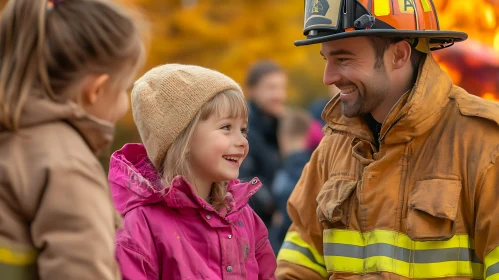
402, 254
493, 269
305, 251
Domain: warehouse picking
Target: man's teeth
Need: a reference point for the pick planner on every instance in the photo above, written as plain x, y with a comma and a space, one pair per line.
346, 91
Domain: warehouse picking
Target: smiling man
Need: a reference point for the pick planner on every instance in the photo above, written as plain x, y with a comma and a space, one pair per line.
405, 184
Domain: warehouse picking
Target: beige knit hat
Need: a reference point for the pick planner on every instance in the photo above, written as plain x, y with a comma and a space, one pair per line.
166, 99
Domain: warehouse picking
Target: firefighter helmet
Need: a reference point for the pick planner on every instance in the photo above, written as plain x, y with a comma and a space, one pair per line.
327, 20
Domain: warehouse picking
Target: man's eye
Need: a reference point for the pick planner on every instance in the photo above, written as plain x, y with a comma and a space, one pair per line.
342, 59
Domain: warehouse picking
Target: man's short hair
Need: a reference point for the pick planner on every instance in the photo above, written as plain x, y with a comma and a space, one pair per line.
381, 44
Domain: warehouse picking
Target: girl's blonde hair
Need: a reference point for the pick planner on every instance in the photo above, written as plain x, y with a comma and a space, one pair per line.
229, 103
53, 48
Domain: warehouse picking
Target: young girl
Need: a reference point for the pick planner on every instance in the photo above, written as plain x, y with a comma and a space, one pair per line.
65, 69
186, 215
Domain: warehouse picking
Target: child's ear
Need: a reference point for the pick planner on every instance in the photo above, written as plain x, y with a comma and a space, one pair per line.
93, 87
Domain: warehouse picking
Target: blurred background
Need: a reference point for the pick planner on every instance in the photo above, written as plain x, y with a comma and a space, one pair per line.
230, 35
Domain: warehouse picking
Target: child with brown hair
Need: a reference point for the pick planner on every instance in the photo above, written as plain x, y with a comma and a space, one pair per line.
293, 143
186, 216
65, 70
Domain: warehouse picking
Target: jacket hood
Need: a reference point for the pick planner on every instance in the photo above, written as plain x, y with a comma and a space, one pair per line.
415, 113
135, 182
98, 134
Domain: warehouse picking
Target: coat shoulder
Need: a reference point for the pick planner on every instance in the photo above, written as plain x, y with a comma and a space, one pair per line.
473, 106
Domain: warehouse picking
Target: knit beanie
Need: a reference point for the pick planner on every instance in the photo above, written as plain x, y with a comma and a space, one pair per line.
166, 99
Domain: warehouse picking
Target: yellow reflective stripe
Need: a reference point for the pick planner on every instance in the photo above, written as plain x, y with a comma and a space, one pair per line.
491, 262
297, 251
382, 7
299, 259
17, 258
295, 238
381, 250
426, 5
409, 270
342, 236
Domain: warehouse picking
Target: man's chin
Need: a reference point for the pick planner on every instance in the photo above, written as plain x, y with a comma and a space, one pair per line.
349, 111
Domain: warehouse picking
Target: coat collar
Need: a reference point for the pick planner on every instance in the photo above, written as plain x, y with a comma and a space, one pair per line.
181, 195
37, 110
135, 182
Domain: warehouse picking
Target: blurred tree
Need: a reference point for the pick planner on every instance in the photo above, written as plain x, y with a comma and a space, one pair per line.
230, 35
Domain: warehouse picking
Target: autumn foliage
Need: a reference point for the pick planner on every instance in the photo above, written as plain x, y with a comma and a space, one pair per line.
229, 35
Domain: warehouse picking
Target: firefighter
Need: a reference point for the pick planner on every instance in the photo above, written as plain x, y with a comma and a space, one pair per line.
405, 184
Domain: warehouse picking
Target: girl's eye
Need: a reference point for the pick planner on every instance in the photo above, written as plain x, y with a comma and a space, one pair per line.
244, 131
225, 127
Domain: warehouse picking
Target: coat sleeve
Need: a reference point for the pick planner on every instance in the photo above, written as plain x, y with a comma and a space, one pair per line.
74, 227
301, 254
487, 223
134, 264
135, 249
263, 251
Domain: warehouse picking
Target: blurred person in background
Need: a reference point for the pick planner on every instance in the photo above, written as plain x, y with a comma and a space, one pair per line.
315, 132
293, 134
267, 85
66, 70
317, 106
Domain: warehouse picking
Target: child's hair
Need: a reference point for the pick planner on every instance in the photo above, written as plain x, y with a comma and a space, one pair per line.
51, 45
295, 123
229, 103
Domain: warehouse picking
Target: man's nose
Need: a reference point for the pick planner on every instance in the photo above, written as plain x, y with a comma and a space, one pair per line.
331, 75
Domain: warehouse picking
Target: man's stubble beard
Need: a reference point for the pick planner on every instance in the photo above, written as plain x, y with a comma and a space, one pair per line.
365, 104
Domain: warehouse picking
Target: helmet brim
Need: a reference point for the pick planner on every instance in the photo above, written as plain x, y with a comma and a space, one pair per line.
436, 37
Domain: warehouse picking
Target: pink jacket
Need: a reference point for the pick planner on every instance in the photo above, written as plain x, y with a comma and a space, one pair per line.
174, 234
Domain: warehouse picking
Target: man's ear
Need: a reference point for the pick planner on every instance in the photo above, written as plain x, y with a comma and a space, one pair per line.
401, 54
93, 87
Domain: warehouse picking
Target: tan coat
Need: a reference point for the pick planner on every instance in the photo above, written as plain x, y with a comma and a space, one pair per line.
424, 206
57, 220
